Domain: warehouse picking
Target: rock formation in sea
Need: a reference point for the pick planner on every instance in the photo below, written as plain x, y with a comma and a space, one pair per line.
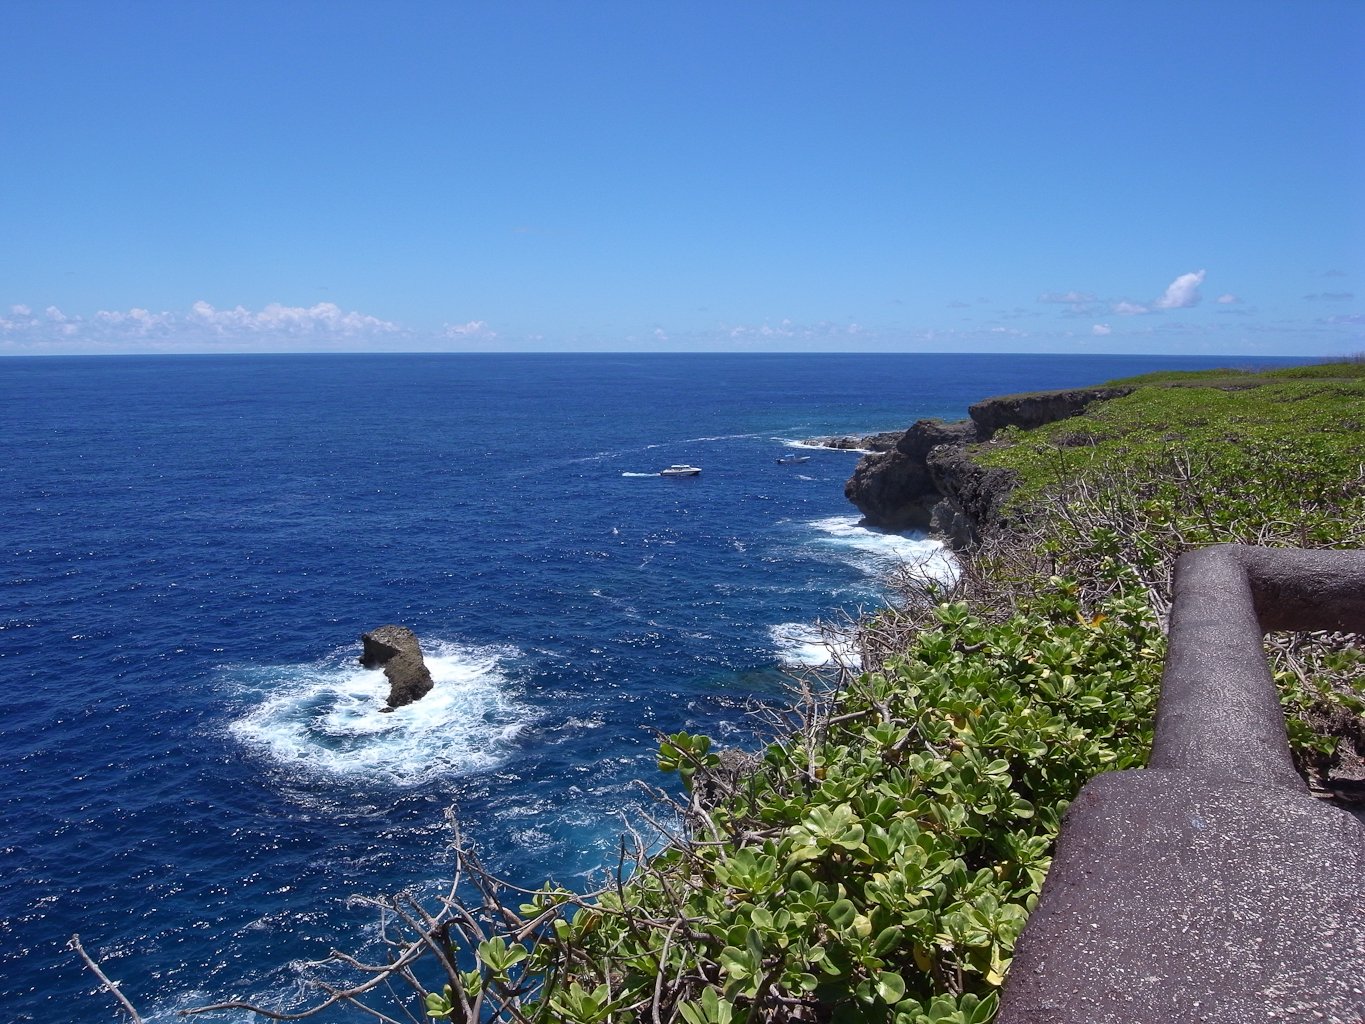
883, 442
929, 481
395, 649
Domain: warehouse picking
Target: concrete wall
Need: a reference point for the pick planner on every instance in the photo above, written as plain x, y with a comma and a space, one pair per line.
1210, 886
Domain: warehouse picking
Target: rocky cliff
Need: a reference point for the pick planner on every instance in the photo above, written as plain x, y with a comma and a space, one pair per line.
929, 481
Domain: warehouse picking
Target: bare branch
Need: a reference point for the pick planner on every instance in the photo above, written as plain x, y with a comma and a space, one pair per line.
111, 986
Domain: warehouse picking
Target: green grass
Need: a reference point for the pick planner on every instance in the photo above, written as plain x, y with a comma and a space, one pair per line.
1279, 457
1236, 377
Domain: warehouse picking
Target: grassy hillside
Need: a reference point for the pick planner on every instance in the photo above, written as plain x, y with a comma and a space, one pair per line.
1190, 459
1278, 455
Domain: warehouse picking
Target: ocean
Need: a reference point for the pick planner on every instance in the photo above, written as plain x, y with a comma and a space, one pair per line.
197, 773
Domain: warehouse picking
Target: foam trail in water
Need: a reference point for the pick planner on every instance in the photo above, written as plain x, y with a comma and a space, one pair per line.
802, 644
325, 719
880, 554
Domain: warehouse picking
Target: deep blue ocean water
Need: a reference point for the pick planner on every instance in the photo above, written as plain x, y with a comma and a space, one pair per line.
197, 774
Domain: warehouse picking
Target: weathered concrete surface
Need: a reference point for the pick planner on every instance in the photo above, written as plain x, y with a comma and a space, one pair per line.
1219, 712
1210, 887
1175, 900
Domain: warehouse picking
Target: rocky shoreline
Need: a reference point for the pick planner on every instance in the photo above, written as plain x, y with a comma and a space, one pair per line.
925, 477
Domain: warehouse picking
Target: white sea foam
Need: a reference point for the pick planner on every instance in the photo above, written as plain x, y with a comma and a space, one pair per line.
802, 644
878, 554
882, 554
326, 719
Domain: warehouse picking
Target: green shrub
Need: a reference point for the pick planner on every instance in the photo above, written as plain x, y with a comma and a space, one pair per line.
880, 867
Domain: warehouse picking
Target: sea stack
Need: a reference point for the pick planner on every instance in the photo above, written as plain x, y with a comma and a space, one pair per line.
395, 649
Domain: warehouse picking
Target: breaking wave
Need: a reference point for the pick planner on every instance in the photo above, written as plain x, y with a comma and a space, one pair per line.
326, 719
801, 644
882, 554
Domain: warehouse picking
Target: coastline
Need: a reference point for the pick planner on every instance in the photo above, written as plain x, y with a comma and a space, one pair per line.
765, 460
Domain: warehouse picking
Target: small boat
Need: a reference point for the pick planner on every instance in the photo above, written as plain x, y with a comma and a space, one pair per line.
785, 459
680, 471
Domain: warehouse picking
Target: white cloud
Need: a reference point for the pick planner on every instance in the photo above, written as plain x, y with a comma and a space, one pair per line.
1181, 293
473, 330
1229, 299
200, 328
140, 322
802, 335
1072, 298
324, 318
60, 322
784, 329
21, 319
1129, 309
1101, 330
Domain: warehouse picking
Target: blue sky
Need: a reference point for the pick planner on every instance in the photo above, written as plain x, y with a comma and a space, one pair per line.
403, 176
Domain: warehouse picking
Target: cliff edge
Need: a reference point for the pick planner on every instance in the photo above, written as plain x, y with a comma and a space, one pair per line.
928, 480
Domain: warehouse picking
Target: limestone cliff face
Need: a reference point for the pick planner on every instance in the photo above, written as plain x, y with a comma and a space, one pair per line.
970, 495
1036, 410
930, 482
895, 489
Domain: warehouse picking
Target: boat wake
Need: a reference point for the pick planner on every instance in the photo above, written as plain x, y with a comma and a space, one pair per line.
325, 719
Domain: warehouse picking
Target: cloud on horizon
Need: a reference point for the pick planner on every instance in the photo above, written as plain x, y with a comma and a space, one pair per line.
201, 326
1071, 298
473, 330
787, 328
1077, 303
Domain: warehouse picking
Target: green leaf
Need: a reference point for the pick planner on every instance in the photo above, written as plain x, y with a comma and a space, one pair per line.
890, 987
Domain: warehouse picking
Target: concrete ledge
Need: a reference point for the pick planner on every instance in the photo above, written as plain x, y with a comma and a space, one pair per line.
1210, 887
1171, 902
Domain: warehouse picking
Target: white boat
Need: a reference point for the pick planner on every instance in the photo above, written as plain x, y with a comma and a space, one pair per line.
680, 471
788, 459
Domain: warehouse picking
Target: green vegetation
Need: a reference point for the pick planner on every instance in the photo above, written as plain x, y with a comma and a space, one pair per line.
877, 862
1274, 458
880, 866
